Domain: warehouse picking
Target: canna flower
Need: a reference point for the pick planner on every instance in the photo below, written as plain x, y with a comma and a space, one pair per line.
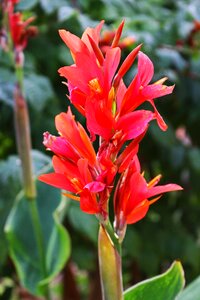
19, 30
133, 194
99, 93
97, 90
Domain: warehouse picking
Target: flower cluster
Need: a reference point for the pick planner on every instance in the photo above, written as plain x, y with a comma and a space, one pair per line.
97, 90
19, 30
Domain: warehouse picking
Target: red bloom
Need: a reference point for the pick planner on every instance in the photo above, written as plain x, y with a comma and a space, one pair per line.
111, 111
20, 30
132, 195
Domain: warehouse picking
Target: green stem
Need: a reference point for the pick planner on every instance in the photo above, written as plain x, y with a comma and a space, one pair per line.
110, 267
112, 235
39, 241
22, 127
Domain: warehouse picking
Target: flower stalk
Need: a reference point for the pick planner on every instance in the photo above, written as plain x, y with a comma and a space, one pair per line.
22, 129
110, 267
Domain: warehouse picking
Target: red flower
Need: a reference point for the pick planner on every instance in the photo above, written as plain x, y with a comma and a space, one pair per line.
111, 111
20, 30
132, 195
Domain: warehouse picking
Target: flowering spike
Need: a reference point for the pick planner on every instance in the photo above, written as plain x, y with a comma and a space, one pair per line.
111, 112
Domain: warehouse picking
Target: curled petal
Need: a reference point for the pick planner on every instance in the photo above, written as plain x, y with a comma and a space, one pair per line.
95, 186
161, 123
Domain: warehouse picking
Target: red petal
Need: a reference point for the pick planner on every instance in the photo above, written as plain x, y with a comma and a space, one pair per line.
99, 119
156, 190
76, 76
135, 123
73, 42
75, 135
138, 214
97, 51
117, 35
88, 203
126, 65
85, 174
145, 68
94, 33
111, 63
161, 123
65, 167
130, 100
153, 91
57, 180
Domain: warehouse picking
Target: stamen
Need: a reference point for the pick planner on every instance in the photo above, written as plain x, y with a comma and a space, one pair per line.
76, 198
154, 181
161, 81
95, 86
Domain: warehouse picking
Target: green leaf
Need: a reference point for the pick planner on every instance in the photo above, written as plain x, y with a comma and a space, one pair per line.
38, 90
165, 286
10, 185
49, 6
22, 243
6, 85
191, 292
84, 223
26, 4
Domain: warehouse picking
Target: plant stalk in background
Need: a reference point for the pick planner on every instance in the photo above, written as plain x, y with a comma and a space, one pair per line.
17, 33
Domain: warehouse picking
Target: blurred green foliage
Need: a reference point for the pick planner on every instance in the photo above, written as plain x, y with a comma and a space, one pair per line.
171, 37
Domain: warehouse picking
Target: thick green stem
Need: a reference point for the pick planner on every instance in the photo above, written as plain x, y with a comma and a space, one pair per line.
110, 267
